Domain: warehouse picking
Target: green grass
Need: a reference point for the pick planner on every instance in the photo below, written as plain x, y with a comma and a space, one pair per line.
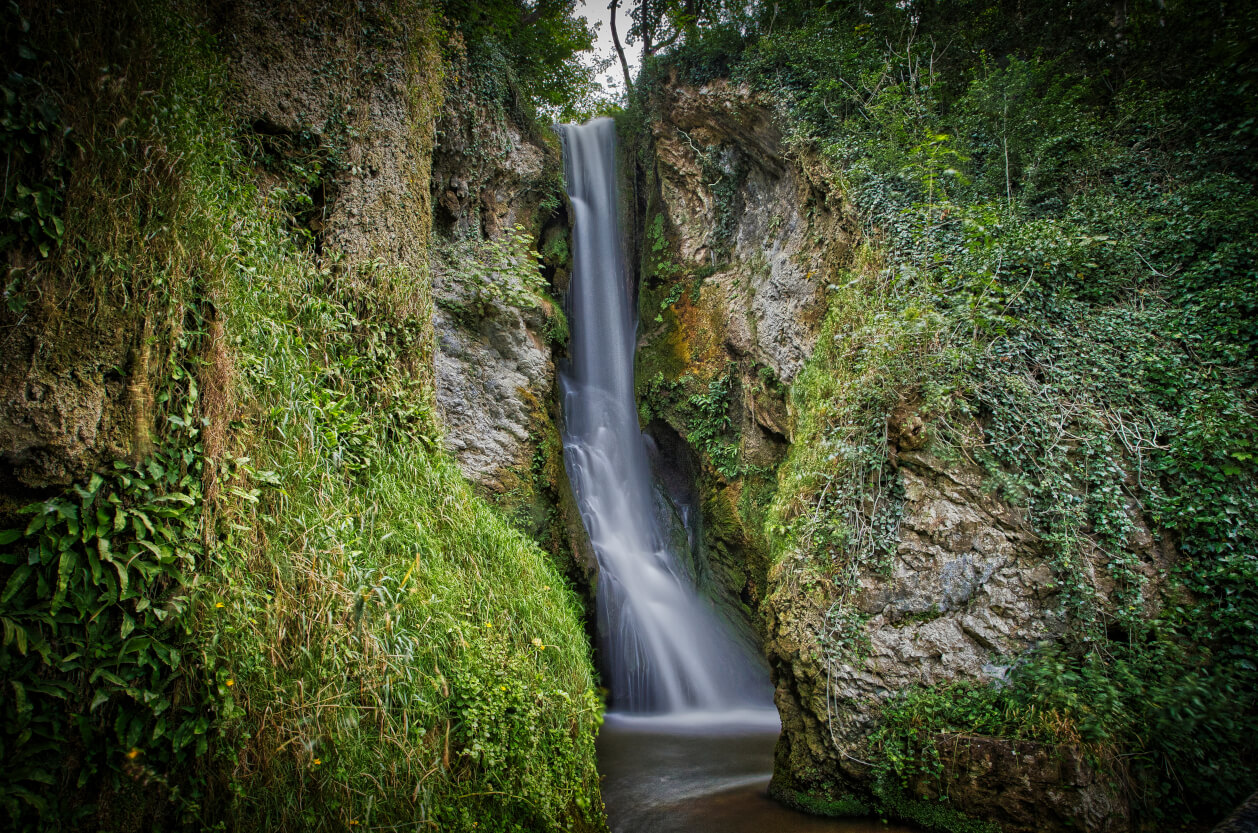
423, 651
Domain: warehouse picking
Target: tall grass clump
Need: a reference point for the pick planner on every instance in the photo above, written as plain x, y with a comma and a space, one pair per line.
398, 650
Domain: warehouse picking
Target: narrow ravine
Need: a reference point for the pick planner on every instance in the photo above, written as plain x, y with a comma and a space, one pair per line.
688, 741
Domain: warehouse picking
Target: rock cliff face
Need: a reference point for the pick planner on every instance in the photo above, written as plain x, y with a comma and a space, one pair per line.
742, 234
495, 368
315, 79
964, 592
76, 385
729, 305
499, 209
738, 210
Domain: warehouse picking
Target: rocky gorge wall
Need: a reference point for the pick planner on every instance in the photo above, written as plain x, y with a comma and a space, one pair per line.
237, 333
500, 266
747, 243
733, 234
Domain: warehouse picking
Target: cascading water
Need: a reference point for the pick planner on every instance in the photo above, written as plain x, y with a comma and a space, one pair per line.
688, 745
664, 648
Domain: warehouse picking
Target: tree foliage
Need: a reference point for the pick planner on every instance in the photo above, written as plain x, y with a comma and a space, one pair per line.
542, 43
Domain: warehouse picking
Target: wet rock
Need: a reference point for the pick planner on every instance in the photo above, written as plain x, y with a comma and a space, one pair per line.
1026, 787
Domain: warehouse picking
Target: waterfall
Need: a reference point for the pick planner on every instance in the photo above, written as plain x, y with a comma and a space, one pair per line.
664, 647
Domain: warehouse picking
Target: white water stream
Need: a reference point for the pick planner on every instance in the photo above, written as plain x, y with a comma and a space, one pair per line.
688, 743
664, 647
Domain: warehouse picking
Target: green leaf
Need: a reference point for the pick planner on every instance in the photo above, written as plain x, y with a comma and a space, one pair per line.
8, 536
15, 583
138, 518
103, 553
121, 568
69, 560
99, 700
13, 632
37, 523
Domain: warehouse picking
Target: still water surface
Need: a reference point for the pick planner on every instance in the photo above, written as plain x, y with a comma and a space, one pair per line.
676, 774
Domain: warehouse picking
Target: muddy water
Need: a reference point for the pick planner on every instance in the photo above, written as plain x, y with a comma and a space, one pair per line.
676, 774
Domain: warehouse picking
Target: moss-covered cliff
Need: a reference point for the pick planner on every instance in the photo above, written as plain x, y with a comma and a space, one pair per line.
961, 342
951, 344
243, 584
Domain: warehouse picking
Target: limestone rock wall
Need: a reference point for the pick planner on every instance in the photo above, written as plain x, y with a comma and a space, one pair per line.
495, 368
729, 305
77, 375
737, 207
967, 590
498, 177
739, 228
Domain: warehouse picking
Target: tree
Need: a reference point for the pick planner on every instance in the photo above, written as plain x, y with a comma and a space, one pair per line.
541, 40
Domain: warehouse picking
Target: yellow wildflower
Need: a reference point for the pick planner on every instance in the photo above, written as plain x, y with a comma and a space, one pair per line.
134, 753
231, 683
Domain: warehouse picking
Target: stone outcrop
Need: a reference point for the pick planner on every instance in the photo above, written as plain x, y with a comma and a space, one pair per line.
729, 297
967, 590
736, 205
496, 176
495, 368
1026, 787
739, 227
365, 101
65, 408
495, 379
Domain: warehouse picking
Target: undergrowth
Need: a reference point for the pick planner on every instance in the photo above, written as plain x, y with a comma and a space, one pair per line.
420, 650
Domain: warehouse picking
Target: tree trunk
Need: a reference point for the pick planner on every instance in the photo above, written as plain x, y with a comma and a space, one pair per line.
620, 52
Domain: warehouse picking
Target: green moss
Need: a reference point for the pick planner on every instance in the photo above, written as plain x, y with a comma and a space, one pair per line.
931, 815
843, 806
